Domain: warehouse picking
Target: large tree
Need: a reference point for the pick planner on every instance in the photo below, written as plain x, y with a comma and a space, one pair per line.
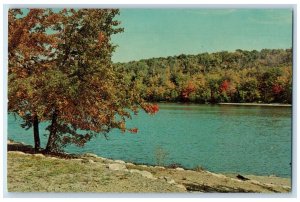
80, 94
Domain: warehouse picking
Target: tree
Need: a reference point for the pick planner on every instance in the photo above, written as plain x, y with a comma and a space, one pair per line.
80, 91
29, 50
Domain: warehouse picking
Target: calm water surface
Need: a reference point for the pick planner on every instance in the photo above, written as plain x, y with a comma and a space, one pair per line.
228, 139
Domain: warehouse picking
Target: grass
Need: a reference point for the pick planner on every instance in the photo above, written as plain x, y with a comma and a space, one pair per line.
29, 173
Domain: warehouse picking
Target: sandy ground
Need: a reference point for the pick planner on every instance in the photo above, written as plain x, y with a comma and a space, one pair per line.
30, 172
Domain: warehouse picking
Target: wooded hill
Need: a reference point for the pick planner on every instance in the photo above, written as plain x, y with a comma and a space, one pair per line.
241, 76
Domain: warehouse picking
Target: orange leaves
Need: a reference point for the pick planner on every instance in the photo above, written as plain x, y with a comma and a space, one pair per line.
133, 130
100, 37
190, 88
151, 108
69, 73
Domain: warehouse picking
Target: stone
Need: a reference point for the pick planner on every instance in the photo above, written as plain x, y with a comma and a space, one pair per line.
102, 159
180, 186
130, 164
216, 175
77, 160
38, 155
91, 161
116, 166
169, 180
17, 152
90, 155
54, 158
143, 173
120, 161
160, 167
179, 169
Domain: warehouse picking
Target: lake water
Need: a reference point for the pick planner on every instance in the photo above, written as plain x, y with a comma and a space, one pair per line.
220, 138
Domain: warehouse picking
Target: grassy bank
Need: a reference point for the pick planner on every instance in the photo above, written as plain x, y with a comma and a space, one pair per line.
30, 172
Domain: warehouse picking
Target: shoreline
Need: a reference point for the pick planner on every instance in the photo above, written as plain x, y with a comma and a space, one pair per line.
134, 177
29, 149
229, 103
258, 104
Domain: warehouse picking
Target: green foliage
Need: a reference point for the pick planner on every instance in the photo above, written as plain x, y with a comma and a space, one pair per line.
240, 76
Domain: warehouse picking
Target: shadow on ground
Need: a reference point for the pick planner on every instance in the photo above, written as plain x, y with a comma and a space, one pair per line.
16, 146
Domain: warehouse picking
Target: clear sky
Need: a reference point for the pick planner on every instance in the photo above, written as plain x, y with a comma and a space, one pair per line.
168, 32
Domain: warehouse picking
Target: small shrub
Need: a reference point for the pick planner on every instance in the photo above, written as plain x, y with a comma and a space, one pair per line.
160, 156
175, 165
199, 168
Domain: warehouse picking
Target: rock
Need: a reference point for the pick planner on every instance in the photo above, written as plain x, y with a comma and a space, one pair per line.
120, 161
18, 152
147, 174
144, 166
143, 173
130, 164
169, 180
77, 160
180, 186
102, 158
54, 158
216, 175
160, 167
179, 169
38, 155
255, 182
116, 166
242, 177
90, 155
91, 161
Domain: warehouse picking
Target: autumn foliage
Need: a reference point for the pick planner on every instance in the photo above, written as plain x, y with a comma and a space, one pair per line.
190, 88
151, 108
60, 71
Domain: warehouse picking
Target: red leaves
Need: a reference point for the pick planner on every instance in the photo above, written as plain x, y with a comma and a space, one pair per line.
133, 130
151, 108
190, 88
224, 86
277, 89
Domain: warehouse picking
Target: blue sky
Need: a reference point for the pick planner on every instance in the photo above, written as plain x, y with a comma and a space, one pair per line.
168, 32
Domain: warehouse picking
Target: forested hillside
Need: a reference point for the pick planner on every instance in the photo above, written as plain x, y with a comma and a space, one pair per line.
241, 76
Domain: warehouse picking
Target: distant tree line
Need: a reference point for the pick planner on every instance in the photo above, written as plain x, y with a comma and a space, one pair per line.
240, 76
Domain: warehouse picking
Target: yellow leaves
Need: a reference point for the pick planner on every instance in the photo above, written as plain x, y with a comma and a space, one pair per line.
21, 113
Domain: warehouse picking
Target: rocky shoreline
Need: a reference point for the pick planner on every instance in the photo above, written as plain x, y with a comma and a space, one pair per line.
125, 176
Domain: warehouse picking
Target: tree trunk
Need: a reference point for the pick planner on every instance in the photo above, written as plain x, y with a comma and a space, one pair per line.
53, 134
37, 142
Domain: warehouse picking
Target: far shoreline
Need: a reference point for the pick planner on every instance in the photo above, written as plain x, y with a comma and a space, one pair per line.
228, 103
258, 104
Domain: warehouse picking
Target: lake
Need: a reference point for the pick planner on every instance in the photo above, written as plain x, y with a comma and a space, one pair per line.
220, 138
